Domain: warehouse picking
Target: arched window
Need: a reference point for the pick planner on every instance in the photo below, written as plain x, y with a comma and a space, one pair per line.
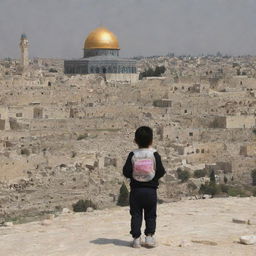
114, 69
104, 70
97, 70
92, 70
110, 69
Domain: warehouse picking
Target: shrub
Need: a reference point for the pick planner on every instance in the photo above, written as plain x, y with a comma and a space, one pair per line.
210, 188
225, 180
82, 205
253, 175
160, 201
224, 188
183, 175
53, 70
123, 198
200, 173
82, 136
254, 192
237, 191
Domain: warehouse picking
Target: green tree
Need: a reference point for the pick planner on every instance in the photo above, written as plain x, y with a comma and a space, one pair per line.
253, 175
152, 72
212, 177
159, 70
123, 199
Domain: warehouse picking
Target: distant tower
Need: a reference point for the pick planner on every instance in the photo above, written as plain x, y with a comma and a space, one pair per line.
24, 51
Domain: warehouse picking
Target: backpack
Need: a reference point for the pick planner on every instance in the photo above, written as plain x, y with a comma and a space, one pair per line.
144, 164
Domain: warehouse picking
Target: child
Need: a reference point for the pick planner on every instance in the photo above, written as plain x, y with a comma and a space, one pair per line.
144, 168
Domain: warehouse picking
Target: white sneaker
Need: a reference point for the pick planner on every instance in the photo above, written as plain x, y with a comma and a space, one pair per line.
150, 241
136, 242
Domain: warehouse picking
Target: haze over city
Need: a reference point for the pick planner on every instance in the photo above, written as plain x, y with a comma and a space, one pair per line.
57, 28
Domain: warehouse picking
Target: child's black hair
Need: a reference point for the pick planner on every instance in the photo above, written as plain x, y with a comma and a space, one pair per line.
144, 136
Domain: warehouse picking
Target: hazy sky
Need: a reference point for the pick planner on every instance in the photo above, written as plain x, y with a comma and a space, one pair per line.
58, 28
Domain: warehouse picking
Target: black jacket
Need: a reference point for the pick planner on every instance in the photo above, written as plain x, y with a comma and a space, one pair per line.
160, 172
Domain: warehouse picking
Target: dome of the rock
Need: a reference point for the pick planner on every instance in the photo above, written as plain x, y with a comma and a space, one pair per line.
101, 56
101, 38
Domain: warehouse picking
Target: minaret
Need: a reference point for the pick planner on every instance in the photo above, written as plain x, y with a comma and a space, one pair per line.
24, 51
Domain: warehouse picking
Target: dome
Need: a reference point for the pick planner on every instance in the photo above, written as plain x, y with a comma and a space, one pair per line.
101, 38
23, 36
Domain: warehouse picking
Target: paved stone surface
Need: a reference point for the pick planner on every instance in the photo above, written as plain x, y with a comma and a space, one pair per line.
106, 232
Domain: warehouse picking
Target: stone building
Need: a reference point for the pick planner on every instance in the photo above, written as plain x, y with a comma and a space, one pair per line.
101, 56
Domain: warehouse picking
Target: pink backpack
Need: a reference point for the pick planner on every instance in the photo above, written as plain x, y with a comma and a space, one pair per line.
144, 164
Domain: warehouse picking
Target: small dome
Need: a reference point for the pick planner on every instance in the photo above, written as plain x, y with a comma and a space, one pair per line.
101, 38
23, 36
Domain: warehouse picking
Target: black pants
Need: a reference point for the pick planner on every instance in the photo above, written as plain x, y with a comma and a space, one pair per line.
143, 199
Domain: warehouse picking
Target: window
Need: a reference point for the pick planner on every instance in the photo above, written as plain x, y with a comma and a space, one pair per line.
110, 70
191, 134
18, 114
38, 113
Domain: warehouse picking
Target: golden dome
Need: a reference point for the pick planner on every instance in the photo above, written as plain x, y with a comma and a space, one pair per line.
101, 38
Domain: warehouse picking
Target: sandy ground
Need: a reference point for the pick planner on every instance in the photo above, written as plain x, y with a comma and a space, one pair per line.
106, 232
